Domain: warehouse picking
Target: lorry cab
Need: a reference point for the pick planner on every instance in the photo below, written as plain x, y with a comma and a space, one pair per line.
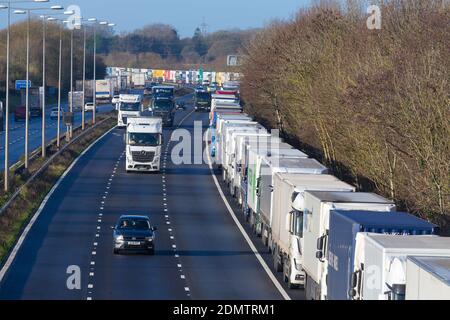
287, 222
143, 144
165, 109
202, 101
130, 105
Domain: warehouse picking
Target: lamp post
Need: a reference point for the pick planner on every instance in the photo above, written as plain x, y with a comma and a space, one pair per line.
27, 107
102, 23
61, 24
7, 5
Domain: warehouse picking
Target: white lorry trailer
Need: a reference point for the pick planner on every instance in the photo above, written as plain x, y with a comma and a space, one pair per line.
428, 278
254, 159
130, 105
237, 163
103, 91
222, 133
269, 167
316, 219
380, 271
143, 144
229, 143
287, 219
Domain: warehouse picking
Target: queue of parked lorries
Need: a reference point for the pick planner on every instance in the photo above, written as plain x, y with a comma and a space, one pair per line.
324, 236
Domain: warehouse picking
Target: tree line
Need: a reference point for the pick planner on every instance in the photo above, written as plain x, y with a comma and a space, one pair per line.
18, 55
160, 46
374, 105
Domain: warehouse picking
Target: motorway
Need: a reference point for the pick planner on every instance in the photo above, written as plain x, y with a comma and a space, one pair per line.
17, 133
200, 252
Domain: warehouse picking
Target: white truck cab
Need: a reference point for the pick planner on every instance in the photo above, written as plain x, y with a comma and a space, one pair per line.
130, 105
143, 144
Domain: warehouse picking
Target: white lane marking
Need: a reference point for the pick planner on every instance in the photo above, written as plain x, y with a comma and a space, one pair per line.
92, 263
182, 276
90, 286
89, 298
246, 237
186, 289
179, 265
30, 224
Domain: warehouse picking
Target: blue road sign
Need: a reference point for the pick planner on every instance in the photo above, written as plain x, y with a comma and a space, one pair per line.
22, 84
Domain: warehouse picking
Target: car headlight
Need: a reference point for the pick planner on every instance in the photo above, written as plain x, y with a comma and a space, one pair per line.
119, 238
150, 239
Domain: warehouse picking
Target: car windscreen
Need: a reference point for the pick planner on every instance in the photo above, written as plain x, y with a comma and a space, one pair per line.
134, 224
162, 104
125, 106
143, 139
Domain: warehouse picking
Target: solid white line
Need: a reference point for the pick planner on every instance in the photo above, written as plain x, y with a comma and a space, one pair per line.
249, 241
25, 232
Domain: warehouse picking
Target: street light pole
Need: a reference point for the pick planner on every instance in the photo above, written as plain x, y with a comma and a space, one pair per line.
6, 169
44, 151
95, 76
71, 80
84, 79
58, 133
27, 92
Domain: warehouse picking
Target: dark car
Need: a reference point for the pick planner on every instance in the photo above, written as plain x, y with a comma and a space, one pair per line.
134, 233
20, 113
35, 112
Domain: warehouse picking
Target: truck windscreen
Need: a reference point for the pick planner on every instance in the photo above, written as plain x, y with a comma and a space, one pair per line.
163, 105
144, 139
163, 92
203, 97
124, 106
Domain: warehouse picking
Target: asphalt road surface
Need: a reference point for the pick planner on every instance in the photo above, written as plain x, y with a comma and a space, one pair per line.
200, 252
17, 133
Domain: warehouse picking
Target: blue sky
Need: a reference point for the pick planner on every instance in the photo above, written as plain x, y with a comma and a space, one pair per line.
184, 15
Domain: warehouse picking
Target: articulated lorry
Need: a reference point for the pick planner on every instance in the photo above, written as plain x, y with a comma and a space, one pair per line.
130, 105
254, 158
215, 125
143, 144
367, 253
287, 219
269, 167
229, 150
428, 278
78, 100
221, 134
103, 91
316, 229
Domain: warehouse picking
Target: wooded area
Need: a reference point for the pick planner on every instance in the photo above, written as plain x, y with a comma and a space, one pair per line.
18, 55
374, 105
